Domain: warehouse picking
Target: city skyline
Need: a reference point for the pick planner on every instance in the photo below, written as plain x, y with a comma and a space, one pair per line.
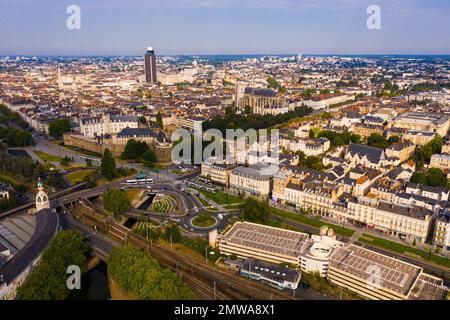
336, 27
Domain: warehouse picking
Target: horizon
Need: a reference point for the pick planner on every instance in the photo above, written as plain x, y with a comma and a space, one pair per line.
229, 55
218, 27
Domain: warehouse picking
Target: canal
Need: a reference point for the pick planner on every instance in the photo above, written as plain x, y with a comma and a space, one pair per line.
94, 285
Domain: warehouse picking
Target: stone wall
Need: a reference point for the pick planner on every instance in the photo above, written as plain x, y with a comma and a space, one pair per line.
163, 153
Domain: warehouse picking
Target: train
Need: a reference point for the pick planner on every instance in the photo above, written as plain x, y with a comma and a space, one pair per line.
139, 181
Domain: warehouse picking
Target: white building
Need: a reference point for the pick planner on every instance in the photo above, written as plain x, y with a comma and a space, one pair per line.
106, 125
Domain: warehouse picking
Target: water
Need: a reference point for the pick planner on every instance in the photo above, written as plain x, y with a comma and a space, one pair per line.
94, 285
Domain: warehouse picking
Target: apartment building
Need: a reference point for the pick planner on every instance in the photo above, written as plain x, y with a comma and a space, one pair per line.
402, 150
419, 138
441, 236
251, 180
396, 219
192, 123
321, 101
218, 172
106, 124
440, 161
367, 129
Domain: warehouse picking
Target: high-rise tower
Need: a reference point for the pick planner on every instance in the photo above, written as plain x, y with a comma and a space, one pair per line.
150, 66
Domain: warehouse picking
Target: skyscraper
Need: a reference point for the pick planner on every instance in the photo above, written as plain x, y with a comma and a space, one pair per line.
150, 66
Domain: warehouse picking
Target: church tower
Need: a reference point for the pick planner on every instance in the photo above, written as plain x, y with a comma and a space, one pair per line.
42, 201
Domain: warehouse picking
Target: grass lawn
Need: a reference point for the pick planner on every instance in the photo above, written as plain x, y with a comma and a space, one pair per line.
203, 221
163, 205
403, 249
220, 197
14, 181
84, 151
312, 222
47, 157
78, 176
133, 194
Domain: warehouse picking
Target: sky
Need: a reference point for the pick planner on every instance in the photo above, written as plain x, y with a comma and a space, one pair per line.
128, 27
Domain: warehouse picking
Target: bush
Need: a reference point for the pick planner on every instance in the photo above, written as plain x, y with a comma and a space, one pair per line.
137, 271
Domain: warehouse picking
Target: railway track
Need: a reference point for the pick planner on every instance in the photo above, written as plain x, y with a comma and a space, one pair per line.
228, 286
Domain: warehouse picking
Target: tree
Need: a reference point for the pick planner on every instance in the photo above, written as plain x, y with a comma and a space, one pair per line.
255, 211
56, 180
424, 153
143, 120
137, 271
116, 202
272, 83
393, 139
49, 280
8, 203
134, 150
108, 168
149, 158
433, 177
172, 233
58, 127
377, 141
159, 119
355, 138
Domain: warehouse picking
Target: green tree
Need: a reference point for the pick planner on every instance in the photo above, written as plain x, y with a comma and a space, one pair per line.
116, 201
272, 83
138, 272
143, 120
159, 119
377, 141
356, 138
149, 158
108, 168
56, 180
58, 127
433, 177
255, 211
393, 139
134, 150
48, 280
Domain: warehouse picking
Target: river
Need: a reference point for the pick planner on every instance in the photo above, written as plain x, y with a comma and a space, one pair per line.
94, 285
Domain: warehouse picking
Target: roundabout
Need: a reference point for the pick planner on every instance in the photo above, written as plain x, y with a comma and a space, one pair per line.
204, 221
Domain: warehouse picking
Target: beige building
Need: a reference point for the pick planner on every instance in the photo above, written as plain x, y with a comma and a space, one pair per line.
440, 161
441, 236
251, 180
419, 138
106, 125
217, 172
402, 150
438, 123
395, 219
366, 130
